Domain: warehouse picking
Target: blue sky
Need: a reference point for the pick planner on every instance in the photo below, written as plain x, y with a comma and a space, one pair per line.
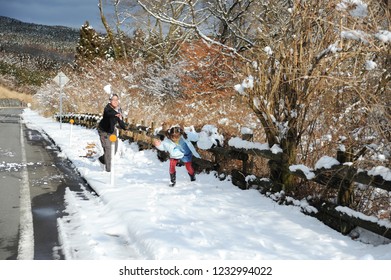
71, 13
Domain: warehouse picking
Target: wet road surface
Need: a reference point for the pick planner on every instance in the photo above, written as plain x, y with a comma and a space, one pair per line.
31, 160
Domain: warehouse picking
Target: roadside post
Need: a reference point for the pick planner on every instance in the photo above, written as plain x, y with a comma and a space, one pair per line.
61, 79
113, 139
70, 134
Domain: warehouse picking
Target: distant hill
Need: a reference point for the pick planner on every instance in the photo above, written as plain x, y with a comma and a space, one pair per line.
20, 37
31, 53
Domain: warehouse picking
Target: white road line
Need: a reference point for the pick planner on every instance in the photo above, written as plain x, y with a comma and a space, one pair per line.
26, 239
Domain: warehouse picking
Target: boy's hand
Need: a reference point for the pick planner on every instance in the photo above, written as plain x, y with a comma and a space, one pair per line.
119, 115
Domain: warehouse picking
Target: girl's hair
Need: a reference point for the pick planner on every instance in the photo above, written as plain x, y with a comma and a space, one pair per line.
175, 132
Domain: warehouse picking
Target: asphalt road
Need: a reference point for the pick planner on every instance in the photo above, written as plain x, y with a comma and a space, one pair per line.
33, 180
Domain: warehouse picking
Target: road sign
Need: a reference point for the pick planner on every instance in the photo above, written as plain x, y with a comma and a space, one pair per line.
61, 79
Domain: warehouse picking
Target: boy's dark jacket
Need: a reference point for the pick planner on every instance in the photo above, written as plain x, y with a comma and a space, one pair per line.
109, 120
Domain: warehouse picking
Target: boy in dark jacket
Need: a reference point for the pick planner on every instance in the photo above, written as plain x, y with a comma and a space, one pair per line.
112, 115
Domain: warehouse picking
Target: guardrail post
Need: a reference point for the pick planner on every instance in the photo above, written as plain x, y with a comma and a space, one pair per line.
143, 132
246, 164
152, 133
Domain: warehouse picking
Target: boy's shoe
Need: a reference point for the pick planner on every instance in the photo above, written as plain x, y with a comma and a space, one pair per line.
172, 179
192, 177
102, 163
102, 159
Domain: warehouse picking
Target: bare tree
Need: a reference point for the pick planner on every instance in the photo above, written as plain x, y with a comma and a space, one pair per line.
162, 40
318, 55
224, 23
169, 23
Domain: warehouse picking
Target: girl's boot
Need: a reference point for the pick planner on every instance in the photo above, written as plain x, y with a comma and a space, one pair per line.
192, 177
173, 179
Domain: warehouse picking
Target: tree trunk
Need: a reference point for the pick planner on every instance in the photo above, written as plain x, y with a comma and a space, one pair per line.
110, 34
346, 188
280, 174
121, 35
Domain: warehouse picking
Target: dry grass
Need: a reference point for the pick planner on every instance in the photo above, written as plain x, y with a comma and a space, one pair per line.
7, 93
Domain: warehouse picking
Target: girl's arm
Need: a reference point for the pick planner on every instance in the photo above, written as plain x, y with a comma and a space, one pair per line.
192, 148
158, 144
168, 146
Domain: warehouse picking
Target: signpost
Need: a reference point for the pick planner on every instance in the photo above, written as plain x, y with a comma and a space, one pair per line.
61, 80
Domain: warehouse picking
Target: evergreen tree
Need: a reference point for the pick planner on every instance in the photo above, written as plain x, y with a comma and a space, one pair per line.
92, 45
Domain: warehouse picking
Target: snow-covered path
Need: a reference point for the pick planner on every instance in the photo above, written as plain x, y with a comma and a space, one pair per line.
140, 217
